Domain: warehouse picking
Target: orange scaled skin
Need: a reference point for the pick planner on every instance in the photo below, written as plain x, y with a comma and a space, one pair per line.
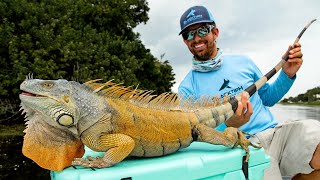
50, 147
55, 158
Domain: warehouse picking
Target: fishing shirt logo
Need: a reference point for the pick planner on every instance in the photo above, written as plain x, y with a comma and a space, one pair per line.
225, 84
191, 17
232, 92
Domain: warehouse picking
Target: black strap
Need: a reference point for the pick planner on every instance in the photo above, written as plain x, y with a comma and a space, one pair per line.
245, 168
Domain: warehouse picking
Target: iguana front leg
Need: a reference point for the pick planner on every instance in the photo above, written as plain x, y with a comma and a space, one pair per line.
230, 137
117, 147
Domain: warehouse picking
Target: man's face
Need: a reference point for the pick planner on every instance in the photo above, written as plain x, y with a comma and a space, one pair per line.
203, 48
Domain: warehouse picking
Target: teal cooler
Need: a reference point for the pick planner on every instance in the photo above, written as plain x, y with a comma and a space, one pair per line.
198, 161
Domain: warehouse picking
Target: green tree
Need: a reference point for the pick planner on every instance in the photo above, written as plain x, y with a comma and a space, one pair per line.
310, 96
77, 40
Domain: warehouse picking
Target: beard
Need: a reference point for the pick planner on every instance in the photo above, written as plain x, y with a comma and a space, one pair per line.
205, 54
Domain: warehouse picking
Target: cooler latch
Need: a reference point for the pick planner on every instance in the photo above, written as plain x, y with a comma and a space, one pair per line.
245, 168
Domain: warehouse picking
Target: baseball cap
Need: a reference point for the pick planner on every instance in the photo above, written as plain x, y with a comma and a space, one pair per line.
195, 15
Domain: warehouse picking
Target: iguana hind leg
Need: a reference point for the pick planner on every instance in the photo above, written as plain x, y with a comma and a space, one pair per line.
117, 147
230, 137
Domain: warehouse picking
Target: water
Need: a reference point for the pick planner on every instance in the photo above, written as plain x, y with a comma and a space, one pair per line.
285, 113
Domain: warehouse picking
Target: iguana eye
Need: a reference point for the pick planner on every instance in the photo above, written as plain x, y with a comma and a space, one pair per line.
47, 85
65, 120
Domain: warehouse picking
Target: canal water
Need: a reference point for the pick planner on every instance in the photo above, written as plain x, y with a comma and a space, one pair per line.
285, 113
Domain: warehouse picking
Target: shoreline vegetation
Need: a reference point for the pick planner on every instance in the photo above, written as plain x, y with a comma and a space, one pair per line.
312, 103
310, 98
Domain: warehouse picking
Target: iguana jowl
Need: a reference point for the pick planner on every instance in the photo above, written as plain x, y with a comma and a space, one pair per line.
63, 115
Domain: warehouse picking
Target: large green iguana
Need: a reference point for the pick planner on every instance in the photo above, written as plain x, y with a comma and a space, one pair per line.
63, 115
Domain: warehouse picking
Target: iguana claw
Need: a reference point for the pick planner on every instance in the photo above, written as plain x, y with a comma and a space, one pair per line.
245, 143
92, 162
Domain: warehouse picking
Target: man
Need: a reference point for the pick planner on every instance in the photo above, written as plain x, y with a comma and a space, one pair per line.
294, 147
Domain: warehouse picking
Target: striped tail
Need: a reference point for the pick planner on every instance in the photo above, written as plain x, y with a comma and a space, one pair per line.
258, 84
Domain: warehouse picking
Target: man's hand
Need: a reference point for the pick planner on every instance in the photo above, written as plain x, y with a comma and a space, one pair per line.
295, 60
243, 112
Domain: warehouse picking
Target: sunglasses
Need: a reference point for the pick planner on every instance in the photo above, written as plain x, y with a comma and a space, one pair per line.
201, 31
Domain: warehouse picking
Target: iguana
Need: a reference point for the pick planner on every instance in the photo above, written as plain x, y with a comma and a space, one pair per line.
63, 115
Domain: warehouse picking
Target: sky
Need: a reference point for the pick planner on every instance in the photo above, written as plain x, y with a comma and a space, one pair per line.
262, 30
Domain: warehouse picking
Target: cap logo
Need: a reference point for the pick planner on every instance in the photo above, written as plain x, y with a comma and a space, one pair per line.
191, 17
191, 13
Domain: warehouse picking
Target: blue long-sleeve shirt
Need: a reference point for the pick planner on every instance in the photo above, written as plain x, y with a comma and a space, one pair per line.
236, 74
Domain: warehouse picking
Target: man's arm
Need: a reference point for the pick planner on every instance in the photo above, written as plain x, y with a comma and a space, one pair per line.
272, 93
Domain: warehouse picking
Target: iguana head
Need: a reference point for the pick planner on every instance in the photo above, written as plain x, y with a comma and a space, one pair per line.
53, 100
57, 112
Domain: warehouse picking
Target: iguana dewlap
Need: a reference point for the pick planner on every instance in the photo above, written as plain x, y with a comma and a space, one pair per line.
64, 115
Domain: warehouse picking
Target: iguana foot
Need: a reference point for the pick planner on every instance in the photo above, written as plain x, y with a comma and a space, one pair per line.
230, 137
92, 162
244, 143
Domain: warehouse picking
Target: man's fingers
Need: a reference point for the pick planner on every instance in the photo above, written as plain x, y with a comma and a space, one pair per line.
296, 55
295, 52
244, 100
239, 109
297, 44
249, 110
292, 49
